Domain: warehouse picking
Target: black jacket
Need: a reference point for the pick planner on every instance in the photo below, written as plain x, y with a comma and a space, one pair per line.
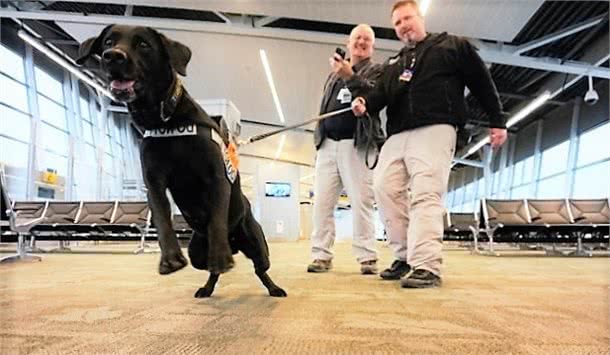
366, 74
444, 65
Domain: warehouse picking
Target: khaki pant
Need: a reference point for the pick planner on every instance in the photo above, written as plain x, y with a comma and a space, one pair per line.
410, 182
338, 166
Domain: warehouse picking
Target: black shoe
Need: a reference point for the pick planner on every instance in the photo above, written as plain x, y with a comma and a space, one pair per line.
398, 269
421, 278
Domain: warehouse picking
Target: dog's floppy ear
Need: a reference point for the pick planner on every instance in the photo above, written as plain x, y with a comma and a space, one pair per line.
91, 46
179, 54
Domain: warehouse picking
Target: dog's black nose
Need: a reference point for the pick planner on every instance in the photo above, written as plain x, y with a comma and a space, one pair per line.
114, 56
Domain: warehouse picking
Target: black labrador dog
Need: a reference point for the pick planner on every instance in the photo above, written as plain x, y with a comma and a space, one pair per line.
183, 150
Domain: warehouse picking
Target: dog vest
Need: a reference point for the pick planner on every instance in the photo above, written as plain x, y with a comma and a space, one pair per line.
229, 151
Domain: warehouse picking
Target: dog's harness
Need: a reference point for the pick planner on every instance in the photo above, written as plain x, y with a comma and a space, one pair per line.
228, 149
168, 107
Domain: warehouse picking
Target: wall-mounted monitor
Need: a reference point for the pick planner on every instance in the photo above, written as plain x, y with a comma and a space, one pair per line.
277, 189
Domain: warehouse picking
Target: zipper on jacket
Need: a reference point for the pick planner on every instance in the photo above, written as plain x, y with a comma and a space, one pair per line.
410, 101
448, 98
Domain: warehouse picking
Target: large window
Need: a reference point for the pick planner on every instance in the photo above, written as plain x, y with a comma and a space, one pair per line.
592, 181
48, 85
522, 178
558, 176
13, 94
65, 120
554, 160
592, 174
553, 167
15, 122
11, 64
495, 184
85, 159
53, 149
594, 145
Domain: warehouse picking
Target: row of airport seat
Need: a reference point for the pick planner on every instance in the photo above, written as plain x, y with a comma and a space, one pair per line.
532, 221
76, 219
79, 221
512, 221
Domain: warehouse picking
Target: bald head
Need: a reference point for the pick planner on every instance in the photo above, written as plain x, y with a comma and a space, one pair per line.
363, 28
360, 43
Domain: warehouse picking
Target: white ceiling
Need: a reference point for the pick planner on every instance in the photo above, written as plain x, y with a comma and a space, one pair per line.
487, 19
228, 66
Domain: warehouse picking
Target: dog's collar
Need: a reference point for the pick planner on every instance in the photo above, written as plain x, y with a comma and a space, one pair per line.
168, 106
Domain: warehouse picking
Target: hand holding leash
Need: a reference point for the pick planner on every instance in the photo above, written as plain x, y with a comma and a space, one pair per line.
359, 106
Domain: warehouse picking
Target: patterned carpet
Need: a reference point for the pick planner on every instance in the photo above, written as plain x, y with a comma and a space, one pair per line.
117, 304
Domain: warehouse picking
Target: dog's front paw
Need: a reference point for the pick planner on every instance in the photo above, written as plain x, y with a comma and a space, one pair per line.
277, 292
220, 265
172, 262
204, 292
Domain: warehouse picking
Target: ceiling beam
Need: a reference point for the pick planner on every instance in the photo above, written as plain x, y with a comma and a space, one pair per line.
128, 10
565, 86
552, 37
491, 53
473, 163
226, 19
262, 22
195, 26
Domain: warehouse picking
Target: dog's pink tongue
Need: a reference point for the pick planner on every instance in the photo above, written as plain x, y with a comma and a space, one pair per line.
122, 84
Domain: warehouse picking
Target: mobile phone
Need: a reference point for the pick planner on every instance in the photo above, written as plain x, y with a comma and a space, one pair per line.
340, 52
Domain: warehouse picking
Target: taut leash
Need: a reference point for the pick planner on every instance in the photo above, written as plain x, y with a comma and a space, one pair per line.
287, 128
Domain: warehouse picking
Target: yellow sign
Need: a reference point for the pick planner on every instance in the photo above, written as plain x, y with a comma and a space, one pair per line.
49, 177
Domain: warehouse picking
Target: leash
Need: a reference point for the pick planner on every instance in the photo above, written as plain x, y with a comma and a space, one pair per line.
370, 141
287, 128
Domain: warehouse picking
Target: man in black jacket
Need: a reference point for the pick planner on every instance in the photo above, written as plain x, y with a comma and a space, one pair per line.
423, 89
339, 161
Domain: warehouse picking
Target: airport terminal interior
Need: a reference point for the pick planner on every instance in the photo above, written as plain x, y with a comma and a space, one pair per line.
526, 266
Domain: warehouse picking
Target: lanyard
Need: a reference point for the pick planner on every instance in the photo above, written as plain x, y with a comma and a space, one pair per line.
407, 73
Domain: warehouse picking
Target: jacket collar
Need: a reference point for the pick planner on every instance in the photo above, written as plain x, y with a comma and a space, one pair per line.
429, 39
361, 64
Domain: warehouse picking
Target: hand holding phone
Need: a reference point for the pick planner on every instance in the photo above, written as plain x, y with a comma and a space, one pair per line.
340, 52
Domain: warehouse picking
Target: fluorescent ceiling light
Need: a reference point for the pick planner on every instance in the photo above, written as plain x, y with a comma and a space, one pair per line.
278, 152
423, 6
59, 60
276, 99
477, 146
524, 112
531, 107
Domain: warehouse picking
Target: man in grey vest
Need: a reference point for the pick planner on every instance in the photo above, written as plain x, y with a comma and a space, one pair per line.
340, 164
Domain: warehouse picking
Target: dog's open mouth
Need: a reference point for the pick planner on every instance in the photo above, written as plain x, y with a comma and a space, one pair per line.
123, 90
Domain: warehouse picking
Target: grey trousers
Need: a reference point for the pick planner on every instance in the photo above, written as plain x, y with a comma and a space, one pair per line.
410, 183
338, 166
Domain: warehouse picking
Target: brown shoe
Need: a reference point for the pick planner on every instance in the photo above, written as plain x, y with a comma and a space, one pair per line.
368, 267
319, 265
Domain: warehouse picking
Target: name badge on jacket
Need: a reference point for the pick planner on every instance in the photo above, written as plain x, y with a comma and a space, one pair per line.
345, 96
406, 75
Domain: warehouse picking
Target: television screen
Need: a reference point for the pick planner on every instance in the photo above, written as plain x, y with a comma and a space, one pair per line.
277, 189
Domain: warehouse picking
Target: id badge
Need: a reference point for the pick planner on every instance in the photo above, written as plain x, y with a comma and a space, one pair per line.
406, 75
345, 96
